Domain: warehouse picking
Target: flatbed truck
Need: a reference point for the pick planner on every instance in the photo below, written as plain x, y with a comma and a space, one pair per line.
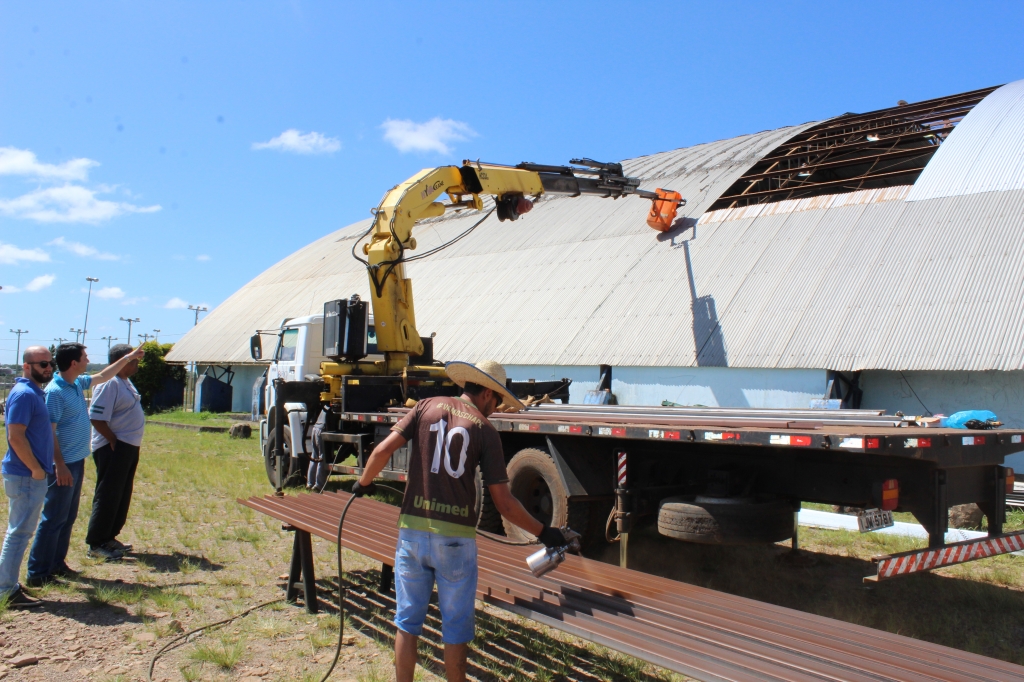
709, 475
706, 475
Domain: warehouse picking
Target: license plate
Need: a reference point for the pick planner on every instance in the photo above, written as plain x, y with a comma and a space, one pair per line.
874, 519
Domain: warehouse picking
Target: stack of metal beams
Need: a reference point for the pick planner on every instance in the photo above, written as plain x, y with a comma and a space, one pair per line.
690, 630
708, 416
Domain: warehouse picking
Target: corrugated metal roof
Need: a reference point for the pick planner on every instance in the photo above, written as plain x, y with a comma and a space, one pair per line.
984, 153
550, 240
864, 280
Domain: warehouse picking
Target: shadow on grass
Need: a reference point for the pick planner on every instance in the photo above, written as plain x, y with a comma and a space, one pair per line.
114, 602
958, 612
176, 562
503, 649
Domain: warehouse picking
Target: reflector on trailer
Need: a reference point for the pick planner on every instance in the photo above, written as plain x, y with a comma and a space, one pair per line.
917, 560
1011, 478
890, 494
802, 441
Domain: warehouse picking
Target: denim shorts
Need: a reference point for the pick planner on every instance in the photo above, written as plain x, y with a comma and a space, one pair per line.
423, 558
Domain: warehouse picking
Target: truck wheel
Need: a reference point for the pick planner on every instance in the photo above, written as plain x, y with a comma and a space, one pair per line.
725, 521
294, 472
534, 481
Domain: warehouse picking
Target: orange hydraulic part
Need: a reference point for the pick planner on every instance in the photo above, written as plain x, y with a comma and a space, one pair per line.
663, 210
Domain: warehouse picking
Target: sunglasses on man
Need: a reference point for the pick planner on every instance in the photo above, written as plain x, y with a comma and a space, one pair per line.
43, 364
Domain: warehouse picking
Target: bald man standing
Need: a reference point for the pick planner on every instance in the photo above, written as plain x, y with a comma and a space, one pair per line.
28, 460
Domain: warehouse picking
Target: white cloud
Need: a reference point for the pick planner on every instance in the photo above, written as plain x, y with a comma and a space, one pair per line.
202, 257
176, 303
10, 289
83, 250
68, 204
432, 136
298, 142
24, 162
12, 255
40, 282
110, 292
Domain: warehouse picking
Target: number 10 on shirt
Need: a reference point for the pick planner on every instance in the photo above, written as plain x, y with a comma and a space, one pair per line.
441, 427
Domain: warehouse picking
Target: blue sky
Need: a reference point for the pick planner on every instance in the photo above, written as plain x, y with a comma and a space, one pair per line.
176, 150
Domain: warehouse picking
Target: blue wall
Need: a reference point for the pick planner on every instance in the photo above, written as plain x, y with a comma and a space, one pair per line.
709, 386
245, 377
949, 392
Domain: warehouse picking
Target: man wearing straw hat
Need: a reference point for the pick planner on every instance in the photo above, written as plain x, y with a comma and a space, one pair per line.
449, 438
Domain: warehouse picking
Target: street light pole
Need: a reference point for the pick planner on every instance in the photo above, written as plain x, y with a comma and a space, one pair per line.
17, 353
77, 333
190, 386
129, 321
145, 337
108, 339
198, 309
156, 335
85, 327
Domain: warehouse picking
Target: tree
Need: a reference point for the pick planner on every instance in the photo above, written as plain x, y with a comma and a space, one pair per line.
155, 377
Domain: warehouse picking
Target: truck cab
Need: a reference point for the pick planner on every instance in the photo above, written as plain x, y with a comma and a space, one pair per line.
297, 357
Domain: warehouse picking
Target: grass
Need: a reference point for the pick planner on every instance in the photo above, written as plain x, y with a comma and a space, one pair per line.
224, 654
180, 416
201, 557
1014, 517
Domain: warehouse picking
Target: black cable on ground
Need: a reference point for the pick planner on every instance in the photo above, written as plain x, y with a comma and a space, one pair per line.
165, 647
341, 591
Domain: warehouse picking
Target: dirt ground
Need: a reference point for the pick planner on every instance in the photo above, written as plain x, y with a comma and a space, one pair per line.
201, 557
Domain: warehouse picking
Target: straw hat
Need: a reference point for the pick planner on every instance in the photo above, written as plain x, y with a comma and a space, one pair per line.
486, 373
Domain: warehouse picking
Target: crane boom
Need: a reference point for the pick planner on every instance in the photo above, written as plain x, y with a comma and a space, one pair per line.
419, 197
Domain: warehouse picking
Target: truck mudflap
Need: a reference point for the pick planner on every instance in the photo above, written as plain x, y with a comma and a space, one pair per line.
916, 561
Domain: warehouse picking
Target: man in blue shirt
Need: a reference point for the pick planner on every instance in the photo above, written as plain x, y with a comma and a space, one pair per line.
69, 415
28, 460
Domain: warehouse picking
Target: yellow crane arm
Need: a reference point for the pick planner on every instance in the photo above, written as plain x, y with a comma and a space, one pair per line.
418, 198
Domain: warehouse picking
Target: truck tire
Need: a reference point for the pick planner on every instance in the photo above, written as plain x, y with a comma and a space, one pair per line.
534, 481
724, 522
295, 473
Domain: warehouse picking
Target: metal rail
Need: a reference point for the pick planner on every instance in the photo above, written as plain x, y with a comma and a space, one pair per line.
721, 417
690, 630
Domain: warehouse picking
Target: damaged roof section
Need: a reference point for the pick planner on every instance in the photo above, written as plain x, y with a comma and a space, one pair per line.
853, 152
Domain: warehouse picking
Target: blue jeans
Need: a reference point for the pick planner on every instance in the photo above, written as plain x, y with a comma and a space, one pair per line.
423, 558
25, 496
60, 509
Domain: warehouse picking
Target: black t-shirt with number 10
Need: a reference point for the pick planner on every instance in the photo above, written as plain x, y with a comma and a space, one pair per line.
448, 439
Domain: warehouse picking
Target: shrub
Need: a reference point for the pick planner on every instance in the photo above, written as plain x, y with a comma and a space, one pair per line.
155, 374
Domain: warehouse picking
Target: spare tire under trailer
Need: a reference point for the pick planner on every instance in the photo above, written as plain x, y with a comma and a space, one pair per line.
725, 521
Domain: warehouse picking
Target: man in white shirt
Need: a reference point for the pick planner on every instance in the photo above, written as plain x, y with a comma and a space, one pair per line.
118, 422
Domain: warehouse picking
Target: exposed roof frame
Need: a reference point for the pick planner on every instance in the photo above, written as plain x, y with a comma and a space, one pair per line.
853, 151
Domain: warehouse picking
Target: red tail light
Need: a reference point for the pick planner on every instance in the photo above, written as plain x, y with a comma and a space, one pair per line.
890, 494
1010, 480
